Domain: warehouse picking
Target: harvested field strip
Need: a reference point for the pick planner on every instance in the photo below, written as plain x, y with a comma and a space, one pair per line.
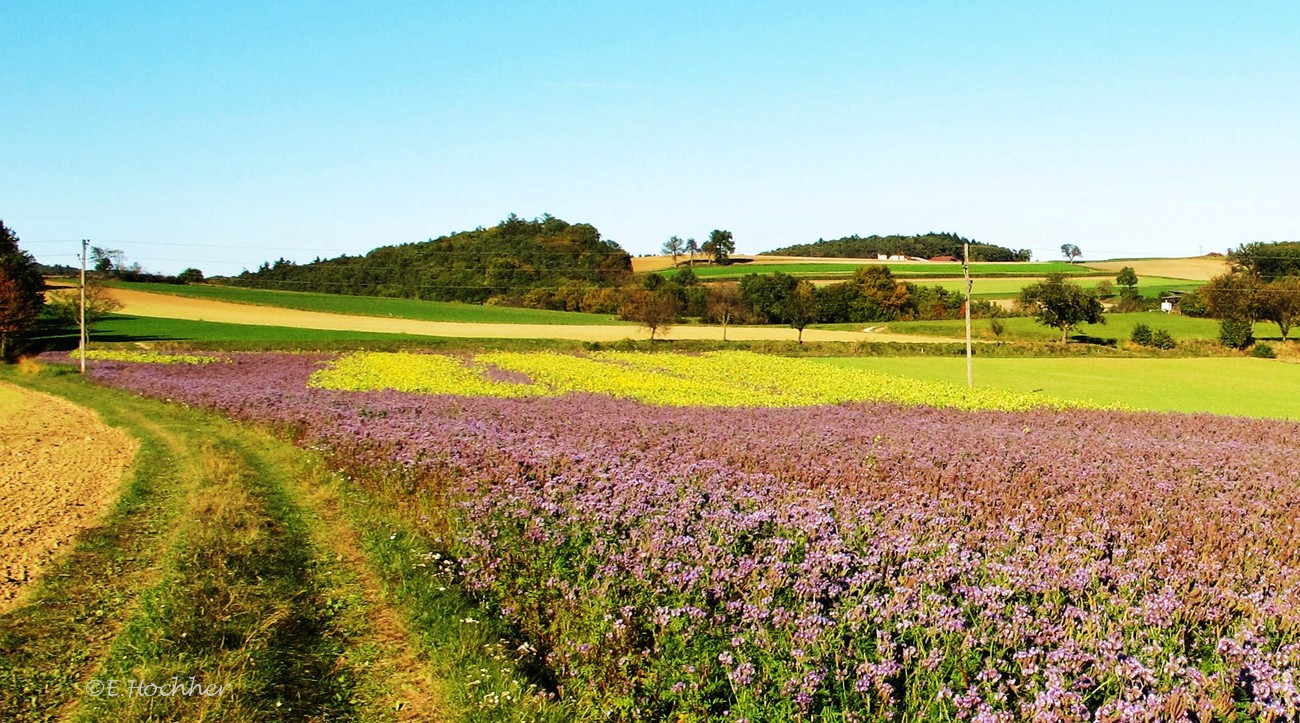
60, 468
1196, 268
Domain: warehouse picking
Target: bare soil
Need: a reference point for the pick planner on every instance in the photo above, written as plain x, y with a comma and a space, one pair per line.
60, 468
1196, 268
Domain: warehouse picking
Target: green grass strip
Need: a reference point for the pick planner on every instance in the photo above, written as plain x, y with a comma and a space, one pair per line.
374, 305
488, 676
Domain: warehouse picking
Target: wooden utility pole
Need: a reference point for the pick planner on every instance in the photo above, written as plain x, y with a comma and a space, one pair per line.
82, 325
965, 272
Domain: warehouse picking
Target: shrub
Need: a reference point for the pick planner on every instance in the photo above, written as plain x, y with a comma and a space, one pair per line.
1141, 335
1236, 333
1192, 304
1161, 339
1263, 351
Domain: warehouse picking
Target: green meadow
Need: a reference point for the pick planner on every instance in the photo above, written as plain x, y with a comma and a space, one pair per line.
1234, 386
1118, 327
134, 331
374, 305
119, 328
1006, 288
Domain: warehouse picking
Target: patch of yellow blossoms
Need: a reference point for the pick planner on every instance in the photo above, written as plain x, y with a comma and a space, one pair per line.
714, 379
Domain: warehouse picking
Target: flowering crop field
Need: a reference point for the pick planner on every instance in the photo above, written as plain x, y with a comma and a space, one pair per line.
849, 562
143, 356
724, 379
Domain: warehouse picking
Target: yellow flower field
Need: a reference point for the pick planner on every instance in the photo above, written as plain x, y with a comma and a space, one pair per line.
144, 357
417, 373
715, 379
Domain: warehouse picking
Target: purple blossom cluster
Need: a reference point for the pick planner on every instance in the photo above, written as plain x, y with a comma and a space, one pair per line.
855, 562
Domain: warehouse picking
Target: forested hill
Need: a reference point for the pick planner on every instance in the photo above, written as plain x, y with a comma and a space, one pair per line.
503, 263
922, 245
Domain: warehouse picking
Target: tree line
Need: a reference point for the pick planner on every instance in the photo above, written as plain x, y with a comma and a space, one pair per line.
927, 245
717, 249
872, 294
1262, 284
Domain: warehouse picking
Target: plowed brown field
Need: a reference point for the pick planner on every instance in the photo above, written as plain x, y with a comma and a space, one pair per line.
60, 468
1196, 268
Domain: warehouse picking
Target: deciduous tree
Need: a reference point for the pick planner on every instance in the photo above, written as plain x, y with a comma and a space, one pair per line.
766, 292
1280, 303
1234, 295
673, 247
1268, 261
107, 261
64, 305
1071, 252
800, 307
724, 304
1127, 277
1061, 304
21, 295
654, 310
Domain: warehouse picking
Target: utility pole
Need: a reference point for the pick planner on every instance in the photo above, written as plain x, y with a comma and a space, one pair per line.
965, 272
82, 325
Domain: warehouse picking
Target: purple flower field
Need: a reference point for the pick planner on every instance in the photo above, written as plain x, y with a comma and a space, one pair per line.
856, 562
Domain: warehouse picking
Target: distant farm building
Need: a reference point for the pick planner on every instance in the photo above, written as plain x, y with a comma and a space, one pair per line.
944, 259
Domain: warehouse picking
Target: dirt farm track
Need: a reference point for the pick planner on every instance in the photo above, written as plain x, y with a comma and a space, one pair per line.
140, 303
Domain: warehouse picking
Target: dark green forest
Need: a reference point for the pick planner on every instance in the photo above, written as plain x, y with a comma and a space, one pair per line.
541, 263
1269, 261
928, 245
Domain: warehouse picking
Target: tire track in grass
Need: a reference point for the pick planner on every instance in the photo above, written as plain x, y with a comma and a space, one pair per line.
240, 607
49, 644
257, 597
221, 563
414, 695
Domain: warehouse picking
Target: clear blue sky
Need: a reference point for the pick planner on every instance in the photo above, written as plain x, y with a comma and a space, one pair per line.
220, 135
